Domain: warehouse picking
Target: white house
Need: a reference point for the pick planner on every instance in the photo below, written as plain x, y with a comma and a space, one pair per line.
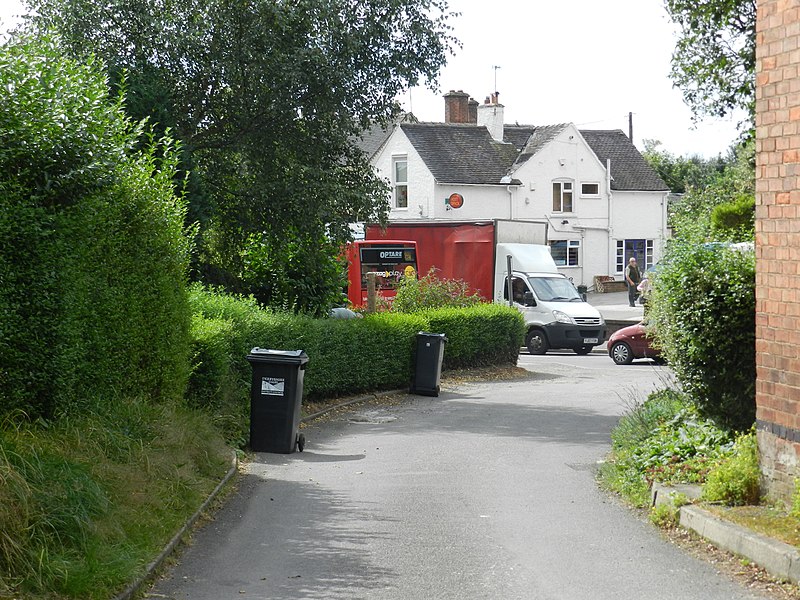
603, 203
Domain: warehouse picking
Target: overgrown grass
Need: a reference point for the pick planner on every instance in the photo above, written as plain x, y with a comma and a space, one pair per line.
86, 503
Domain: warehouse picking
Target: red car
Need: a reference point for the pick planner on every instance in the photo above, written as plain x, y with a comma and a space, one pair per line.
629, 343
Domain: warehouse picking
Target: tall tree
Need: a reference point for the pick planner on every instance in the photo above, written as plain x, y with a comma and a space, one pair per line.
714, 60
267, 97
682, 173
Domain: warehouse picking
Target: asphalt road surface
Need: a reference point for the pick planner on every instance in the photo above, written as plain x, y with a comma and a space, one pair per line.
486, 492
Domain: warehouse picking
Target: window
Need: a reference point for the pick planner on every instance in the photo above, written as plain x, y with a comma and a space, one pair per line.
641, 250
400, 173
590, 189
518, 289
565, 252
562, 196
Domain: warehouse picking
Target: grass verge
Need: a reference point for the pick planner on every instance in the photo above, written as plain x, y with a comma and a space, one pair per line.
86, 503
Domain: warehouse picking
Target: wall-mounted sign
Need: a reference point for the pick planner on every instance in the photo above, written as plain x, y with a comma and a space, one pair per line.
455, 200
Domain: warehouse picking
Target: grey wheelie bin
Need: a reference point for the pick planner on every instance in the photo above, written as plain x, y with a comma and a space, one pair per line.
275, 398
428, 363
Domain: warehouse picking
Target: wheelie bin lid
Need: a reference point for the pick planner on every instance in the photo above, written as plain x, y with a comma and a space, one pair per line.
286, 357
425, 334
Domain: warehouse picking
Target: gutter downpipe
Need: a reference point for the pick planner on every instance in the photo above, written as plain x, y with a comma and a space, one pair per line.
611, 257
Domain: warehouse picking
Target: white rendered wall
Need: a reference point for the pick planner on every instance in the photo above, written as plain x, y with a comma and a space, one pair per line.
420, 180
596, 221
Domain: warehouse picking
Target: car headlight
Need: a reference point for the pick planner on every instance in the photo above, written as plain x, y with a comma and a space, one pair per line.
563, 317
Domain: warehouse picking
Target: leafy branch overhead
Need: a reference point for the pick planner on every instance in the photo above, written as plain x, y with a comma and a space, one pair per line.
714, 60
266, 98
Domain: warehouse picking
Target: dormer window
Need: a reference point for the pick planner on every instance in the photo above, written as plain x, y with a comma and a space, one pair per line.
562, 196
400, 182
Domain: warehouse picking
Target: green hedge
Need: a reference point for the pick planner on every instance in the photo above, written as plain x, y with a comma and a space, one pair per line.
346, 356
702, 310
481, 335
93, 252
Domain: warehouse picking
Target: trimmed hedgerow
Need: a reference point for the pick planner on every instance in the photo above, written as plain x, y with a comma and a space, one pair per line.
346, 356
93, 252
480, 335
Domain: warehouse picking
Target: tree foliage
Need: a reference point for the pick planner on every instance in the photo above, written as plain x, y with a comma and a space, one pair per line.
690, 216
714, 59
682, 173
267, 98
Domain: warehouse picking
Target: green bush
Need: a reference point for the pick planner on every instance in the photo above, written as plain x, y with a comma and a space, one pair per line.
662, 439
736, 481
702, 310
346, 356
735, 220
93, 252
428, 292
481, 335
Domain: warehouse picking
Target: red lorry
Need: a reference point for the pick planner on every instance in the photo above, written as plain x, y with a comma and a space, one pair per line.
461, 249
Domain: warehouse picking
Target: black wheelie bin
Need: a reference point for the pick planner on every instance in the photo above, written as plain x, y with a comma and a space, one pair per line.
276, 395
428, 363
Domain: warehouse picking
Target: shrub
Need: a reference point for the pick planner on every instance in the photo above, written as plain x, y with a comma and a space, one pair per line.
431, 292
702, 311
346, 356
662, 439
736, 481
735, 220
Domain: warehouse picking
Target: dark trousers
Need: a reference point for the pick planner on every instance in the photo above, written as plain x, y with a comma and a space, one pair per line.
633, 293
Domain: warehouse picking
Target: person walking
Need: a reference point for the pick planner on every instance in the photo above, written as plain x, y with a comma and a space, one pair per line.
632, 278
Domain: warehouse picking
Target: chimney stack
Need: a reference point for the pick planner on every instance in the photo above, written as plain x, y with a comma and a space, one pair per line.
490, 114
456, 107
473, 111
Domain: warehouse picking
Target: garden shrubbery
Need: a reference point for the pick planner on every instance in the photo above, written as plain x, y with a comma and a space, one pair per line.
702, 310
664, 439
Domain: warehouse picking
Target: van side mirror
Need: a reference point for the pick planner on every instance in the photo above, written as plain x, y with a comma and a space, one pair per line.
528, 299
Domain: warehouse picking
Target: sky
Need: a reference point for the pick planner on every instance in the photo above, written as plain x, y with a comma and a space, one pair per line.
588, 62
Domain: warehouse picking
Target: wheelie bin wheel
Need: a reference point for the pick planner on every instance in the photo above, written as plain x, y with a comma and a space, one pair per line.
301, 442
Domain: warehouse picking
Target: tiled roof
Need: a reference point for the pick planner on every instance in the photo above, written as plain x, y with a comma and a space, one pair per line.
629, 170
466, 153
538, 138
373, 139
461, 153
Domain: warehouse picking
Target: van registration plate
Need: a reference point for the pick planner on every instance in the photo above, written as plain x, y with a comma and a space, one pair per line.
590, 340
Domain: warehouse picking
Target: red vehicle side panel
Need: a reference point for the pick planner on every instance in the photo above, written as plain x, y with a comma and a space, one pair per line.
454, 250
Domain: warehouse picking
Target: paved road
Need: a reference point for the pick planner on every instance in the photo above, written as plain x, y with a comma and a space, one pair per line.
486, 492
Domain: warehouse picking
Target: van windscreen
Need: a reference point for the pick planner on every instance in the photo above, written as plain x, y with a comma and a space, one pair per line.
554, 289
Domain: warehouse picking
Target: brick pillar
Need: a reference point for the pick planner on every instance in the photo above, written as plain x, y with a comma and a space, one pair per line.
778, 244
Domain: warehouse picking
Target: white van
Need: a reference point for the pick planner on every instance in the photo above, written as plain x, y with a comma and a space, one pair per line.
555, 314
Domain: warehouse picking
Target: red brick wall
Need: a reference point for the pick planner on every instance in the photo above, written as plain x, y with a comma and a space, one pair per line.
778, 243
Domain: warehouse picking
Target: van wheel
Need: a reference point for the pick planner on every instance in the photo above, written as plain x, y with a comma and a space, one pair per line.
537, 342
583, 350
